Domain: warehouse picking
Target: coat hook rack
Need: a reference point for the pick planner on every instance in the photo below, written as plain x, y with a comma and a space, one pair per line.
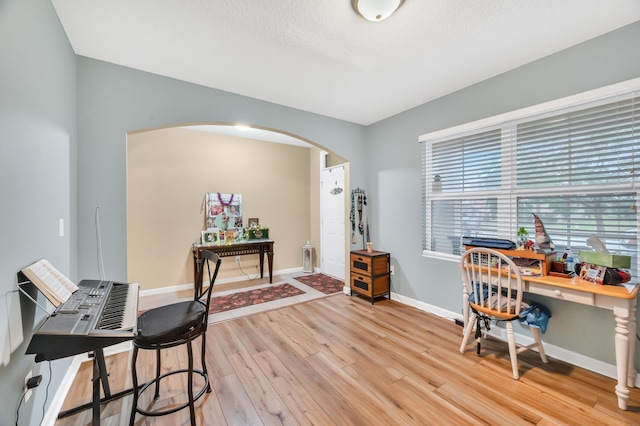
361, 223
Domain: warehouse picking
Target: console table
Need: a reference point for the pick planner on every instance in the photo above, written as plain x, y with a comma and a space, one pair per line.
259, 247
621, 300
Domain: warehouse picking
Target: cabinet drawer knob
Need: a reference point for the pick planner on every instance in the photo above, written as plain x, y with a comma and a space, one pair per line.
558, 293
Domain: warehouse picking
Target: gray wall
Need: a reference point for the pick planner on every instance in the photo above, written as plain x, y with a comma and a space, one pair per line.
394, 175
37, 157
53, 168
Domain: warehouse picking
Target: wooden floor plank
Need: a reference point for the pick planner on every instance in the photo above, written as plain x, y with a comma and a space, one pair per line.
266, 401
302, 405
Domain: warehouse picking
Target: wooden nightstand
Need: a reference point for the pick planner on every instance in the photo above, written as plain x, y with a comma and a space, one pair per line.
370, 274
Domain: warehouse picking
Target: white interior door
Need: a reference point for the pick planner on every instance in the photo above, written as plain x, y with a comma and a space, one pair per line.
332, 195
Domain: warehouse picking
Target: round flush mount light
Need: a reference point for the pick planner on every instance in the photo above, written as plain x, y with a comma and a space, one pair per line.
376, 10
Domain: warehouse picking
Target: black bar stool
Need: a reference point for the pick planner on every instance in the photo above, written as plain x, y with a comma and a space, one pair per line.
174, 325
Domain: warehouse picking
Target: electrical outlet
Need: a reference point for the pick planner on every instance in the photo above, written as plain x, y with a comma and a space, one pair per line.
27, 395
237, 259
392, 269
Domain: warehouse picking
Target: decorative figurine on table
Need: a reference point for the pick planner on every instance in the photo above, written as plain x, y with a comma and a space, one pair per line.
524, 243
542, 238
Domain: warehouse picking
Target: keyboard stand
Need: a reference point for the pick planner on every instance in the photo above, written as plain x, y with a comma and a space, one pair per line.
99, 376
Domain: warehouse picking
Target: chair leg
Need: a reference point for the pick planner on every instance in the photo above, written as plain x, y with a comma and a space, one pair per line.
192, 411
157, 394
204, 362
467, 331
513, 352
134, 376
538, 338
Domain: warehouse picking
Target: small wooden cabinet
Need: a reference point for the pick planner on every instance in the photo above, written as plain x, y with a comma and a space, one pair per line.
370, 274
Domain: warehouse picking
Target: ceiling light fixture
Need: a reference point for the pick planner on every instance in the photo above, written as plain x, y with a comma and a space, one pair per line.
376, 10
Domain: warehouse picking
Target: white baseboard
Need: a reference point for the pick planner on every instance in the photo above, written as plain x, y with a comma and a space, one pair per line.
554, 351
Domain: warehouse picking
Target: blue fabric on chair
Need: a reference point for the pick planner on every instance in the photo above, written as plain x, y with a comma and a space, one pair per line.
533, 314
536, 315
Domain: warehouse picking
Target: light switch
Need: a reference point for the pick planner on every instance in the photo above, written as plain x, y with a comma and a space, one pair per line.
61, 230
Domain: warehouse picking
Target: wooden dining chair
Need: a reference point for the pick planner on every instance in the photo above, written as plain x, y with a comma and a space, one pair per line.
493, 291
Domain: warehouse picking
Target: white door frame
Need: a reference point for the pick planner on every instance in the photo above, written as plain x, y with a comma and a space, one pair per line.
323, 240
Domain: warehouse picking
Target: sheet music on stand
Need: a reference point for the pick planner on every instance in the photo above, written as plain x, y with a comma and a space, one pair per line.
56, 287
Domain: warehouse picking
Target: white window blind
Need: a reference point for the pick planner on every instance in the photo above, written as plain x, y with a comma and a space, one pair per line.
577, 168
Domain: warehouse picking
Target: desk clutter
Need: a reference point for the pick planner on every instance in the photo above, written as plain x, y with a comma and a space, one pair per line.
597, 266
531, 263
603, 268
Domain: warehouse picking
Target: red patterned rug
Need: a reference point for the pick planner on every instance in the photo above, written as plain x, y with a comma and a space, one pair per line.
322, 282
252, 297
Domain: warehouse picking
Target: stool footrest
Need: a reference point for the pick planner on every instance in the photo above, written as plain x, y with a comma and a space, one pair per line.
174, 409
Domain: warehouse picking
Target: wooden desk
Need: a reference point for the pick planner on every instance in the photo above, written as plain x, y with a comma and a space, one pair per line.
618, 299
260, 247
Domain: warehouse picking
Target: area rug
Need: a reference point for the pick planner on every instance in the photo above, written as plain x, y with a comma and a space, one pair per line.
322, 282
252, 297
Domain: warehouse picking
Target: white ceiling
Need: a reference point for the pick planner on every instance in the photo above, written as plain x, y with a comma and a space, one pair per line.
319, 56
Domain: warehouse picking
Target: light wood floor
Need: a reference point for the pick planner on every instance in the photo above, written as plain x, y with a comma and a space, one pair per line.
341, 361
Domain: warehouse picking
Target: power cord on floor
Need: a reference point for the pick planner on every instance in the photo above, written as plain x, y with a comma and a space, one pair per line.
247, 275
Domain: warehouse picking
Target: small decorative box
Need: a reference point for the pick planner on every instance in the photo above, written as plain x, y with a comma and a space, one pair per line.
258, 233
609, 260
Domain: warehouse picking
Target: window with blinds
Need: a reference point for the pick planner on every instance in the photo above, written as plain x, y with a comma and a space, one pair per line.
576, 168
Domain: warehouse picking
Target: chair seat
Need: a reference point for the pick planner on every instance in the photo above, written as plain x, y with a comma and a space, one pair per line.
169, 323
492, 312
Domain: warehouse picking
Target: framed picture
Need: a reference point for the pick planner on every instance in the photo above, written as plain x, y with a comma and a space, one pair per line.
224, 211
210, 236
253, 222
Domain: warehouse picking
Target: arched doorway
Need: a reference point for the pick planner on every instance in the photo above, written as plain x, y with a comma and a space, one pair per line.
168, 172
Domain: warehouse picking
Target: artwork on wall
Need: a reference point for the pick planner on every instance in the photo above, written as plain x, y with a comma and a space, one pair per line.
224, 211
223, 218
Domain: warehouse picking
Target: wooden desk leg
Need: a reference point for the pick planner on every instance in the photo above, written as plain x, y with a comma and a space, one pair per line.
631, 371
623, 351
270, 262
261, 255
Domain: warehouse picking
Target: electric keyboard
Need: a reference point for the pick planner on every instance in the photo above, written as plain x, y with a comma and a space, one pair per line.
97, 315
